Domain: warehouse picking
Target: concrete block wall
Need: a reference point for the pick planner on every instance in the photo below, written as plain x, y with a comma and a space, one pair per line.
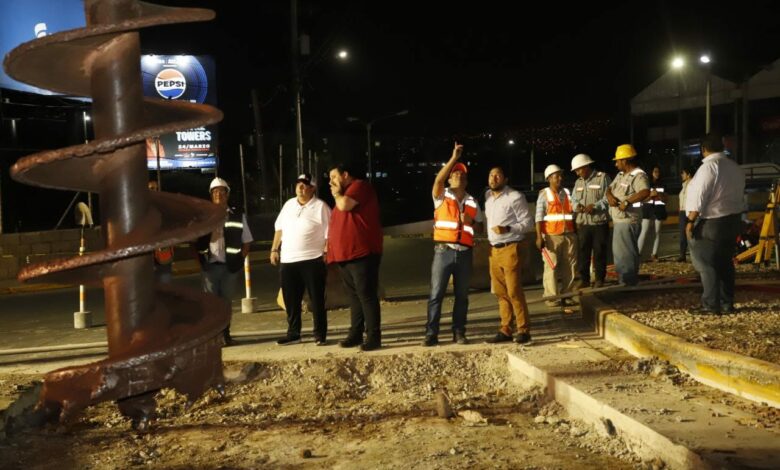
20, 249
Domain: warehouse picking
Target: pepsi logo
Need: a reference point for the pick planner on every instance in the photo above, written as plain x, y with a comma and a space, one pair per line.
170, 84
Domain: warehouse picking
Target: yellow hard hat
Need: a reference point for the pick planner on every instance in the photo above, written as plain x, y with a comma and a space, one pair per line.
625, 151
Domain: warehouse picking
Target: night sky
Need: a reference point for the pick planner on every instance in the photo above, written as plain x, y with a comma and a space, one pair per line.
482, 66
488, 67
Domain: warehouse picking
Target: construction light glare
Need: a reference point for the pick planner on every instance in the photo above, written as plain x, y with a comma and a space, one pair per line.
343, 54
678, 63
704, 59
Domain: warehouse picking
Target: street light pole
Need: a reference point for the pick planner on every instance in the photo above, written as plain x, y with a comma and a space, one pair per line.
294, 52
369, 126
368, 142
705, 59
678, 63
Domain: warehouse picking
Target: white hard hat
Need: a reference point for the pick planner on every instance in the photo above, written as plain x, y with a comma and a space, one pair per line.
218, 182
580, 160
550, 170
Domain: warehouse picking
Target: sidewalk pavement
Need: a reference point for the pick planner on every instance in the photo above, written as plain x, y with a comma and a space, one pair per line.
403, 326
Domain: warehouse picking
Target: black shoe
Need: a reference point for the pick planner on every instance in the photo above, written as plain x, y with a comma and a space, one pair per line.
680, 259
370, 346
728, 309
287, 340
350, 342
459, 337
430, 340
523, 338
598, 283
702, 310
320, 342
499, 338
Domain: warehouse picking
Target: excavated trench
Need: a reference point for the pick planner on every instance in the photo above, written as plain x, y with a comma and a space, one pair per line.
353, 412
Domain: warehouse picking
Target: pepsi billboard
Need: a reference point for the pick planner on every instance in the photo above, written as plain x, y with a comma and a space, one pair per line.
23, 21
181, 77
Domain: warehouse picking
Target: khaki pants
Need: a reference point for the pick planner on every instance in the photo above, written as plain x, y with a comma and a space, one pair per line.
506, 284
563, 252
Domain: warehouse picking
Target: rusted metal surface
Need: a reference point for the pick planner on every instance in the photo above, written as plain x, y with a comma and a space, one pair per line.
158, 336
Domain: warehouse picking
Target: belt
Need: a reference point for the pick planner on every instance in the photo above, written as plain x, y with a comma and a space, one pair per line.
501, 245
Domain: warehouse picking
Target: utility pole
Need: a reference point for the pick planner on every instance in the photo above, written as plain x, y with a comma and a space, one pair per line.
259, 143
296, 75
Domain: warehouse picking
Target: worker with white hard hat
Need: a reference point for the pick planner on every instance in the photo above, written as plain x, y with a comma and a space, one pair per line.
589, 201
556, 236
221, 253
625, 195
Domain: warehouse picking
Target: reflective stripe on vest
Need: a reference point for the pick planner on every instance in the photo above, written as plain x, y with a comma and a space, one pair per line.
659, 202
231, 224
559, 217
447, 227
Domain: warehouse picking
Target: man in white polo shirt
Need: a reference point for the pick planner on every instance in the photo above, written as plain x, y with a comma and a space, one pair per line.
299, 243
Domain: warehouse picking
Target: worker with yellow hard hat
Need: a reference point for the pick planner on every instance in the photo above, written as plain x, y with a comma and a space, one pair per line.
625, 195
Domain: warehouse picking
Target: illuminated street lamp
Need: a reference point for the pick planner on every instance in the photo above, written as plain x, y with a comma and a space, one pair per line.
706, 60
342, 54
678, 63
368, 125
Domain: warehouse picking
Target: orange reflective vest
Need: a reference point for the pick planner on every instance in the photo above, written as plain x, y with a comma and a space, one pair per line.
559, 217
163, 255
447, 226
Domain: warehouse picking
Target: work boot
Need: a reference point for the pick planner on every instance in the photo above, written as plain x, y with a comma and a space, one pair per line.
523, 338
430, 340
499, 338
553, 303
350, 342
459, 337
702, 310
598, 283
370, 345
287, 340
581, 285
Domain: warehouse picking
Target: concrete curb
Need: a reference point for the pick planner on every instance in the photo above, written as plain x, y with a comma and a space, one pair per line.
644, 441
740, 375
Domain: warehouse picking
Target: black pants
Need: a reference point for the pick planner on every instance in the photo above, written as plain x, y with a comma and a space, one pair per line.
593, 238
361, 281
712, 251
295, 277
683, 239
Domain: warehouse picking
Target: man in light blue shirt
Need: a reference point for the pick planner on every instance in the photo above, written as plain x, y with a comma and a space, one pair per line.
714, 204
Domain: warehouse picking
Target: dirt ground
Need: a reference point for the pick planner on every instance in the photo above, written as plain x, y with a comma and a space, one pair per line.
363, 412
754, 330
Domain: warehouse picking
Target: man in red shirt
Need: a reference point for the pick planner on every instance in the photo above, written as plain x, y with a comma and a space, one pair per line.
355, 244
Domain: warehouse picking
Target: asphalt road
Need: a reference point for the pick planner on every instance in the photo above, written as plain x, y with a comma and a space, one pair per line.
405, 272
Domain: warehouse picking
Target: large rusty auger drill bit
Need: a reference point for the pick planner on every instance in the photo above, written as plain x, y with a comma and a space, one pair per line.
158, 336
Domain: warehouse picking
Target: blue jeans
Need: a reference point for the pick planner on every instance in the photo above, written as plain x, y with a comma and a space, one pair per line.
218, 280
625, 250
458, 264
712, 252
